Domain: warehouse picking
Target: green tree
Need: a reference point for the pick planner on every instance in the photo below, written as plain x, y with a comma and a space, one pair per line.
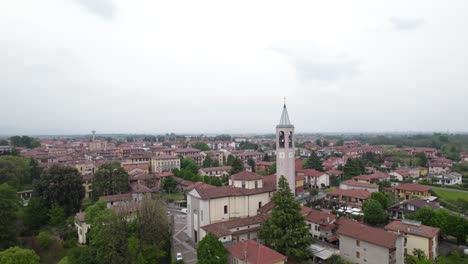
211, 251
422, 159
44, 240
251, 163
36, 213
201, 146
286, 231
313, 162
110, 179
81, 255
353, 167
169, 184
339, 142
61, 185
24, 141
374, 214
418, 257
17, 255
334, 180
8, 206
230, 160
4, 142
266, 157
56, 215
15, 171
336, 259
189, 164
108, 235
215, 163
237, 166
207, 162
384, 201
318, 142
272, 169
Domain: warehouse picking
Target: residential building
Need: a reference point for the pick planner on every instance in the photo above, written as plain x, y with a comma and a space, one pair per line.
363, 244
215, 171
407, 191
416, 236
359, 185
164, 163
322, 225
340, 198
399, 210
252, 252
452, 178
314, 179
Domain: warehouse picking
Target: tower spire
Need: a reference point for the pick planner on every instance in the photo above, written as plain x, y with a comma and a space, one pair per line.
284, 120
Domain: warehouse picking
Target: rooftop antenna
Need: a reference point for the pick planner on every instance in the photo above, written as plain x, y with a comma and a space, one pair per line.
94, 132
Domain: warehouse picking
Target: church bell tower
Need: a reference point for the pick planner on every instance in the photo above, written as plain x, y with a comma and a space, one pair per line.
285, 150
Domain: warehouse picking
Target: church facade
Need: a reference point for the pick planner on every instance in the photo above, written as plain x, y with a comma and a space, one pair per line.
232, 212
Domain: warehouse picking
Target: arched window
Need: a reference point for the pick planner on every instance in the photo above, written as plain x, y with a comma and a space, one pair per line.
290, 139
281, 139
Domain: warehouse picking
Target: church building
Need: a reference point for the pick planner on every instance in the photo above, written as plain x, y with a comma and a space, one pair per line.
232, 212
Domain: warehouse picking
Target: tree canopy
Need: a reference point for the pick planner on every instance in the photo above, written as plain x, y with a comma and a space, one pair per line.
374, 214
383, 199
169, 184
110, 179
211, 251
61, 185
353, 167
313, 162
17, 255
286, 231
237, 166
24, 141
15, 171
201, 146
8, 206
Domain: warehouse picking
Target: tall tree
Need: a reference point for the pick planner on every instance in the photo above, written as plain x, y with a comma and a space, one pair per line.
313, 162
15, 171
251, 163
17, 255
422, 159
61, 185
24, 141
36, 213
286, 231
56, 215
353, 167
8, 206
169, 184
266, 157
237, 166
374, 214
189, 164
207, 162
211, 251
384, 201
318, 142
201, 146
108, 234
110, 179
230, 160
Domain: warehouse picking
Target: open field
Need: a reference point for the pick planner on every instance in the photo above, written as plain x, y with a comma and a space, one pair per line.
451, 195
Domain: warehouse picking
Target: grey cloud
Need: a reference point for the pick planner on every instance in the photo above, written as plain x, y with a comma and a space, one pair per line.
400, 23
103, 8
313, 63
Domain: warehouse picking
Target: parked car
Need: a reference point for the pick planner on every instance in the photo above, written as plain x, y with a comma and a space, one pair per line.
179, 256
184, 210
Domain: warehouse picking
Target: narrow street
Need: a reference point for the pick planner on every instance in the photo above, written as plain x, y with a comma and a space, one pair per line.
180, 240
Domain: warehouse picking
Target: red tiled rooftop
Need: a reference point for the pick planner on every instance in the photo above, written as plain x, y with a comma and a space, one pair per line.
368, 234
223, 228
360, 194
354, 183
413, 187
417, 230
311, 172
253, 252
246, 176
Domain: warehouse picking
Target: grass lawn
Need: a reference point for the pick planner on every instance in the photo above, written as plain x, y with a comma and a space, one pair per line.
450, 195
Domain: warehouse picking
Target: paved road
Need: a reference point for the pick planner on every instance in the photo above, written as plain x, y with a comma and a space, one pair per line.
181, 242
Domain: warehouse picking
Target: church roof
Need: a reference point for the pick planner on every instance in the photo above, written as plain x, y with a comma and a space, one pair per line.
284, 121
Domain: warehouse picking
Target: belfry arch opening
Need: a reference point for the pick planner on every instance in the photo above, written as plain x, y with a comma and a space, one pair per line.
281, 139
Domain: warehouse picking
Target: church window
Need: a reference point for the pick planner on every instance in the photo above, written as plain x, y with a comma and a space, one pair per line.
259, 204
281, 139
290, 139
256, 184
225, 209
243, 184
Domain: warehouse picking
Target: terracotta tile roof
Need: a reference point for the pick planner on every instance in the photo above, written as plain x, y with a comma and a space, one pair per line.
336, 172
223, 228
164, 157
374, 176
246, 176
413, 187
305, 210
319, 217
366, 233
253, 252
265, 163
117, 197
311, 172
354, 183
139, 188
199, 185
360, 194
266, 208
413, 229
269, 185
222, 168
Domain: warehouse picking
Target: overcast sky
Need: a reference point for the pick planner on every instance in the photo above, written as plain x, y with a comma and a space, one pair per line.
225, 66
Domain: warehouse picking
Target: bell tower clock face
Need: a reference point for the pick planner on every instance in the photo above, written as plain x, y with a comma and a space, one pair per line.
290, 155
281, 155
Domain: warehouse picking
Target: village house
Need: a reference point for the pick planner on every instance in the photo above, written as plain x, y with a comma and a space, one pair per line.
416, 236
215, 171
440, 166
164, 163
322, 225
252, 252
263, 166
452, 178
87, 185
372, 178
343, 198
314, 179
215, 155
407, 191
399, 210
399, 174
359, 185
363, 244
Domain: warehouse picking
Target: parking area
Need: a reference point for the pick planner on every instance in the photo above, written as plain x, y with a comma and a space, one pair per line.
181, 242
